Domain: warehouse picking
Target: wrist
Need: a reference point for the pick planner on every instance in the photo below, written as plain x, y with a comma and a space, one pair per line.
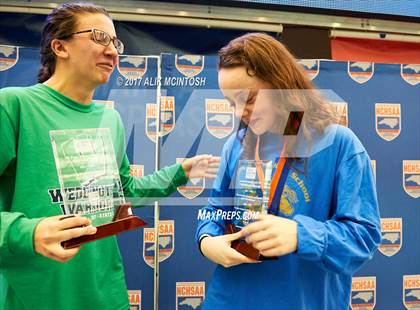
185, 167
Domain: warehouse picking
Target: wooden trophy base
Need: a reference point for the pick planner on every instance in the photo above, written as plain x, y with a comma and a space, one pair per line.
244, 248
123, 221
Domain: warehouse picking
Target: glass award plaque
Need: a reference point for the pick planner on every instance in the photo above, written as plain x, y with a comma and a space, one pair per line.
251, 198
90, 182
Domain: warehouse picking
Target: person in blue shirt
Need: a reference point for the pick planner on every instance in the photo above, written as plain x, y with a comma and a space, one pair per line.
323, 226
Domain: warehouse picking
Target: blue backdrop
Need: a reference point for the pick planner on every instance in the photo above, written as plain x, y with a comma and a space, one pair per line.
381, 105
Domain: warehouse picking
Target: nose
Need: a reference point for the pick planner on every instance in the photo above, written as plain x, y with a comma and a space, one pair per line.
110, 50
243, 113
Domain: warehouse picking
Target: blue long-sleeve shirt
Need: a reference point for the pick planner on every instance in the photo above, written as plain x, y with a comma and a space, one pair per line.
335, 206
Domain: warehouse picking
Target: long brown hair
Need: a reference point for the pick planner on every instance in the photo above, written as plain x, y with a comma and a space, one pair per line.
60, 23
269, 60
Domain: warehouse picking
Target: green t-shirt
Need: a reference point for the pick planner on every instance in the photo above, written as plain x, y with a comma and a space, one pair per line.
30, 191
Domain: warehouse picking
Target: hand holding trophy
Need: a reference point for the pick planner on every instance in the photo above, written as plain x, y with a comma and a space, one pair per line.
52, 231
251, 198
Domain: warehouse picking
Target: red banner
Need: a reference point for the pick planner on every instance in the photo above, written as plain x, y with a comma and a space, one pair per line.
382, 51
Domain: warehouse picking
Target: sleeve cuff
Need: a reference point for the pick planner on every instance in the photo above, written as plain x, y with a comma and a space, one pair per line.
210, 229
312, 238
21, 236
180, 177
199, 242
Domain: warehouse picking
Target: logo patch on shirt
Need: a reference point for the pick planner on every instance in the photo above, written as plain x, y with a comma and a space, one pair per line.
360, 72
189, 65
411, 177
410, 73
9, 56
388, 120
288, 199
296, 195
411, 291
363, 293
132, 67
391, 229
134, 298
166, 242
311, 67
194, 186
189, 295
219, 118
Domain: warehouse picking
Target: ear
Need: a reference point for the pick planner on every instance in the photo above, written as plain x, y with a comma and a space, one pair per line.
60, 49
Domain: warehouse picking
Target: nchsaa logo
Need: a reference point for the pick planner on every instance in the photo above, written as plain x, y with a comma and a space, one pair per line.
363, 293
132, 67
167, 118
194, 186
167, 114
411, 291
166, 242
411, 177
189, 65
219, 117
137, 171
392, 234
342, 112
373, 163
311, 67
360, 72
134, 298
9, 56
388, 120
411, 73
151, 121
189, 295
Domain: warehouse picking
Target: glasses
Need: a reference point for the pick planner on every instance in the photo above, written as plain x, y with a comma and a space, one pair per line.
102, 38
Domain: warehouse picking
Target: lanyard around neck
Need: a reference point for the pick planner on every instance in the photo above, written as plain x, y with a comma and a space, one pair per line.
278, 181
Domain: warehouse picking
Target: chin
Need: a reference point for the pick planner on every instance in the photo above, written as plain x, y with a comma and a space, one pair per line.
258, 130
103, 80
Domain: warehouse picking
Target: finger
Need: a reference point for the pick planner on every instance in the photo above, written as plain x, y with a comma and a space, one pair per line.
212, 170
262, 216
71, 222
71, 233
265, 245
273, 252
203, 156
234, 236
203, 161
256, 226
214, 161
259, 236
